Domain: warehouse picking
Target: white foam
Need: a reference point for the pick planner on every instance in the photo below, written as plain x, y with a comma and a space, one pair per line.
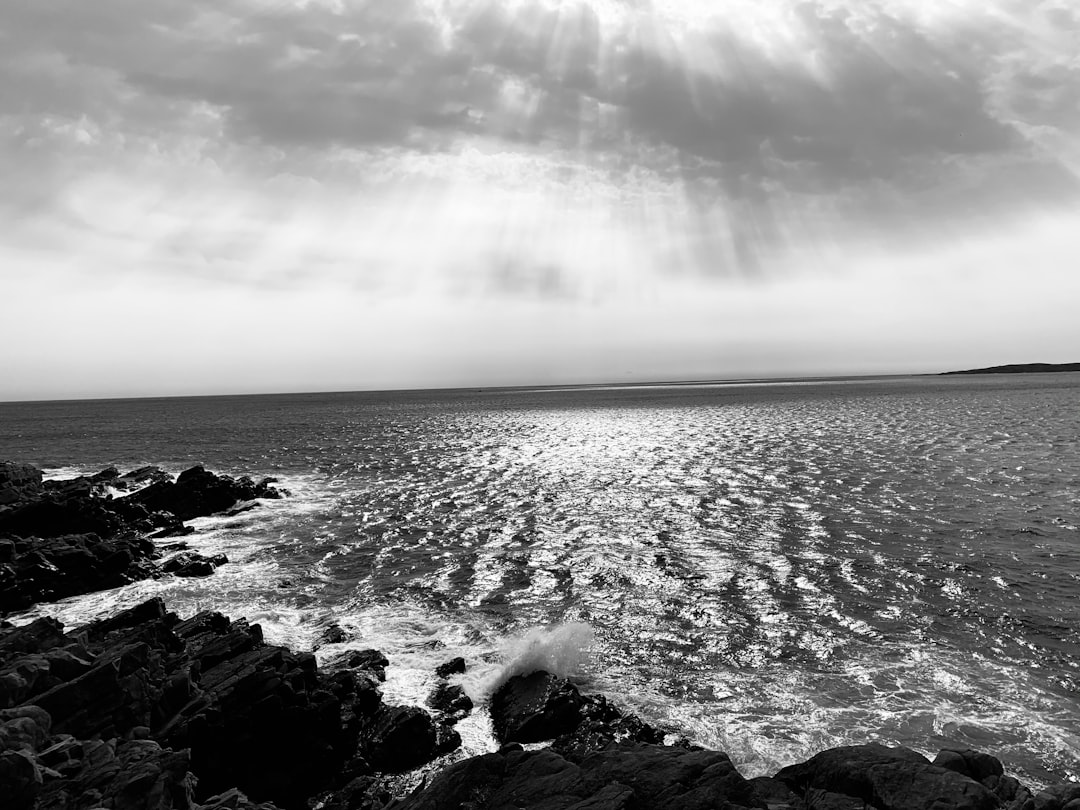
561, 649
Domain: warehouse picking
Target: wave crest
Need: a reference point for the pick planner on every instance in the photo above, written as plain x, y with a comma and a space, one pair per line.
560, 649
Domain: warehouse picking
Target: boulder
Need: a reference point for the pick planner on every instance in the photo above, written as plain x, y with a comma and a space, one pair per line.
450, 701
371, 661
887, 779
400, 738
625, 776
536, 707
192, 564
455, 666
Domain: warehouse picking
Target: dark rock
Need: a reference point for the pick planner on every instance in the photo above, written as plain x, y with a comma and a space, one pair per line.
1056, 797
454, 666
332, 634
536, 707
371, 660
143, 475
399, 738
887, 779
973, 764
624, 776
197, 493
57, 567
20, 779
18, 482
55, 515
450, 700
366, 698
131, 775
234, 800
192, 564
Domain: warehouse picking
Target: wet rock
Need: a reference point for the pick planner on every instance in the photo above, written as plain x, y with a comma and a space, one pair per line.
454, 666
192, 564
332, 634
973, 764
624, 776
887, 779
198, 493
399, 738
372, 661
601, 724
366, 698
450, 701
141, 477
536, 707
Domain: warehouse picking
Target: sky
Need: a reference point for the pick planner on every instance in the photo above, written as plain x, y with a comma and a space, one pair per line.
230, 196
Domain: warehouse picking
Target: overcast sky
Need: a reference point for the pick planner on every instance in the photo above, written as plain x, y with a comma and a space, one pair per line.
203, 196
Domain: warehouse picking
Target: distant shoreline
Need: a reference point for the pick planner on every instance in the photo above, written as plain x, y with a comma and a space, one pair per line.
1019, 368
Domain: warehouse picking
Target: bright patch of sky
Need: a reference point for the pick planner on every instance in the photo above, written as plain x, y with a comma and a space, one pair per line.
234, 195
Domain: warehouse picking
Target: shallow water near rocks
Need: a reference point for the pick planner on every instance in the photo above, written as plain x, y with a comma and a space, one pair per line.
768, 569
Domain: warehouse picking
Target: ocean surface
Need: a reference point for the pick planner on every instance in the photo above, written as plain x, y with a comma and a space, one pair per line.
768, 569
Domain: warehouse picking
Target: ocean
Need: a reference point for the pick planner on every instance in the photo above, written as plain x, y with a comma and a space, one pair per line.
767, 569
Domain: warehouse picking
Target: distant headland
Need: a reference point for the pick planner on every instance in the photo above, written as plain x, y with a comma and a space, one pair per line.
1020, 368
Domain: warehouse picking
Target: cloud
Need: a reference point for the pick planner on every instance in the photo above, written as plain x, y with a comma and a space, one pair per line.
763, 130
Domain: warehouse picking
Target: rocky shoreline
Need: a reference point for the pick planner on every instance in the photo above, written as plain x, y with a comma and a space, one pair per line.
146, 710
80, 535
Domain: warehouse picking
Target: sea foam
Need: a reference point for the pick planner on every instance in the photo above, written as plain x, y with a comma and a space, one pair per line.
560, 649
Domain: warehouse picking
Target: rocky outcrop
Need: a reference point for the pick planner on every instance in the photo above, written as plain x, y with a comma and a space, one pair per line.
63, 538
197, 493
36, 570
901, 779
18, 482
540, 706
200, 707
624, 776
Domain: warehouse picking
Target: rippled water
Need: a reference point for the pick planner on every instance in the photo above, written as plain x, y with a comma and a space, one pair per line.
768, 569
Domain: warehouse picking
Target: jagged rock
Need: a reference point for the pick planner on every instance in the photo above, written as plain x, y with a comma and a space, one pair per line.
372, 661
20, 779
332, 634
197, 493
130, 775
141, 476
624, 776
450, 700
454, 666
18, 482
887, 779
602, 723
57, 567
399, 738
535, 707
55, 515
191, 564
